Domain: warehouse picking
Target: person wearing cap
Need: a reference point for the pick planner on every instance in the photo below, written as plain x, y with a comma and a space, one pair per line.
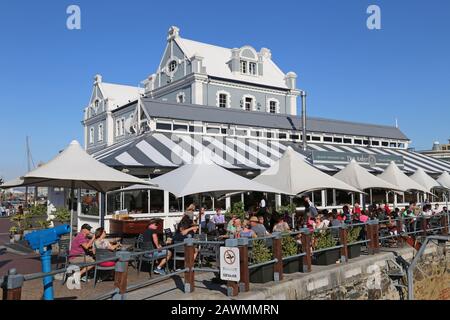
257, 227
81, 245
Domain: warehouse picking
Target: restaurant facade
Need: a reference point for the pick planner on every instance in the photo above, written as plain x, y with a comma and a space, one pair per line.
239, 107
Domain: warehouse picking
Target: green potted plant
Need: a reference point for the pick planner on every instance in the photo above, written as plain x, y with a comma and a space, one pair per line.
323, 239
61, 216
261, 253
14, 234
289, 248
354, 250
34, 215
236, 209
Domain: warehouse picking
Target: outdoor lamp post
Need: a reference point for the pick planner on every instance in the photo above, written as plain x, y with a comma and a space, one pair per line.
303, 95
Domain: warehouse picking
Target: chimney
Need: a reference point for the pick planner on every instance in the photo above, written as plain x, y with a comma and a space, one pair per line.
149, 83
174, 32
197, 64
291, 80
97, 79
436, 146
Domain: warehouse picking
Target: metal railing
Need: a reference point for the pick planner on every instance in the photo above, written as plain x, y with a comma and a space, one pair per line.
371, 236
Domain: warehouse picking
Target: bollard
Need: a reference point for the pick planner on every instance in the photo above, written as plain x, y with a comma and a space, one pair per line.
400, 241
189, 265
444, 224
12, 285
372, 232
232, 286
277, 254
343, 236
121, 274
306, 247
424, 226
244, 284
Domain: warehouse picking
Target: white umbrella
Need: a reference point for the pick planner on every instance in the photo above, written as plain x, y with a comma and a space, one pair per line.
395, 176
293, 175
444, 179
425, 180
203, 175
74, 168
358, 177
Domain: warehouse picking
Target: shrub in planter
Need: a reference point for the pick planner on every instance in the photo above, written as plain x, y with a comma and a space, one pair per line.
261, 253
61, 216
289, 248
323, 239
236, 209
354, 250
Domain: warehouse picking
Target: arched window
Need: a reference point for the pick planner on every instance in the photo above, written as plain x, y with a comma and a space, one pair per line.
248, 103
273, 106
181, 97
91, 135
100, 132
223, 99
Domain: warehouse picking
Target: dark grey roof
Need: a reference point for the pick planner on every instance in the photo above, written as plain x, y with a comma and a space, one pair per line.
266, 120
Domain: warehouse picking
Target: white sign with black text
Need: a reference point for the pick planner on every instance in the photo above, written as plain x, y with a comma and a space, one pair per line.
229, 264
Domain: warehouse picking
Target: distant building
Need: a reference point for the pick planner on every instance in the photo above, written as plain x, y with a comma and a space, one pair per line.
439, 151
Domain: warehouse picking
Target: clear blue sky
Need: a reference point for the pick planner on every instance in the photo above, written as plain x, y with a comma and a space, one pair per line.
349, 72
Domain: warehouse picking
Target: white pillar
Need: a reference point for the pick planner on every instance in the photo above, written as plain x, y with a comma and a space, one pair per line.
78, 206
148, 201
371, 197
395, 200
353, 199
278, 200
334, 198
324, 198
242, 197
166, 203
387, 197
312, 197
361, 199
227, 203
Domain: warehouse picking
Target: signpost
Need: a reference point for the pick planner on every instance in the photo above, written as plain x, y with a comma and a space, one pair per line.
229, 264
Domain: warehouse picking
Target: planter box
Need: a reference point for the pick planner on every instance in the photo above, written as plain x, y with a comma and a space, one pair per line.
326, 258
262, 274
293, 265
354, 250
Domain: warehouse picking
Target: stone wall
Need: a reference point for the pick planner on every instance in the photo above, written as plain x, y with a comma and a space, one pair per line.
363, 278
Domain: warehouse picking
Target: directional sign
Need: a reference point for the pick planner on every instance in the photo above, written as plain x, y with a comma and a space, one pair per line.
229, 264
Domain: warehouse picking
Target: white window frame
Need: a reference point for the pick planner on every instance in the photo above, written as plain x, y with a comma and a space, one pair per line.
100, 132
243, 66
247, 131
210, 126
91, 135
164, 122
253, 106
277, 105
122, 126
117, 127
228, 103
255, 70
180, 123
183, 95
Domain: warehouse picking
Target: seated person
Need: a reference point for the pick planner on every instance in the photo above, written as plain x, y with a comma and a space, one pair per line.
186, 227
81, 245
246, 232
101, 243
208, 225
257, 227
151, 236
280, 225
218, 217
230, 227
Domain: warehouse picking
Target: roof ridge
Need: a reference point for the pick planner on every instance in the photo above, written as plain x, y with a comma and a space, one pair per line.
266, 114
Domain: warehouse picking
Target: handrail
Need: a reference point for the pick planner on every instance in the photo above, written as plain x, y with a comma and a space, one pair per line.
401, 223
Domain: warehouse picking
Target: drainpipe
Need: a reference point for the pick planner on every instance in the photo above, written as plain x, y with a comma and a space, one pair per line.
303, 95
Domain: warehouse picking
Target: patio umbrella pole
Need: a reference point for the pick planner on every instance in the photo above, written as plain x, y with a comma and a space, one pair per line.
72, 196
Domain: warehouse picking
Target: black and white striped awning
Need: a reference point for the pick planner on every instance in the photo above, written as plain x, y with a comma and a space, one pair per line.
168, 150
